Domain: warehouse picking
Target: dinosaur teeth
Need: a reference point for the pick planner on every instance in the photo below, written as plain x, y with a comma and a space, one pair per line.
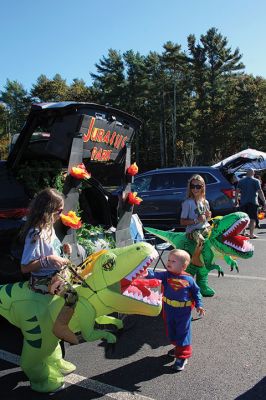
146, 300
155, 299
139, 270
247, 246
237, 226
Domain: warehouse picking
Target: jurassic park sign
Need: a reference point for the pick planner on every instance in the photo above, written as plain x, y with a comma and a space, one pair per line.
105, 140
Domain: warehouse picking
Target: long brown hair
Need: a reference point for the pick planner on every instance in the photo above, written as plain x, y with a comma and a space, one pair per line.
203, 189
41, 210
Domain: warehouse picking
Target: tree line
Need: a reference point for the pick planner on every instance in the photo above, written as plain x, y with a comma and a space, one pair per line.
197, 106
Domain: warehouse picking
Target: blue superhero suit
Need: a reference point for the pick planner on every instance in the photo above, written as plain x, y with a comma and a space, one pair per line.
180, 294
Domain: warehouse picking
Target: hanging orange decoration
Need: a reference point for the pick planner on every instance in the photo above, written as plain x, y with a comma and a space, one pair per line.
133, 169
71, 220
133, 199
79, 171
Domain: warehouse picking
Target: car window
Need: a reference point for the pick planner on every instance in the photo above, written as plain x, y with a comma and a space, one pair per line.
181, 179
170, 180
161, 181
142, 184
208, 178
165, 181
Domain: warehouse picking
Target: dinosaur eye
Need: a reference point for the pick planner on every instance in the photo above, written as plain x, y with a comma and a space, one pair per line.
109, 265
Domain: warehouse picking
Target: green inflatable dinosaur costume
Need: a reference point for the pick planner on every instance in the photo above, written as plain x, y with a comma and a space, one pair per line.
109, 287
224, 241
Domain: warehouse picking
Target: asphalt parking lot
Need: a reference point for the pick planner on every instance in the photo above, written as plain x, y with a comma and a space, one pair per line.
228, 363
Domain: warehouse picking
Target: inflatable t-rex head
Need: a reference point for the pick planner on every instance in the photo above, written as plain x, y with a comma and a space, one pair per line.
226, 236
117, 276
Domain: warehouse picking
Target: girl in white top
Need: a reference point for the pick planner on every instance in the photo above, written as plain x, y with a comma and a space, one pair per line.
44, 257
195, 215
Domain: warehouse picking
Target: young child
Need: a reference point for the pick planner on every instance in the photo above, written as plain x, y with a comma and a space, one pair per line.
43, 257
195, 215
180, 292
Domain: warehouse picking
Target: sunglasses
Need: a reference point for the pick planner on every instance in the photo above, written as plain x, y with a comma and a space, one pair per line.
196, 186
59, 211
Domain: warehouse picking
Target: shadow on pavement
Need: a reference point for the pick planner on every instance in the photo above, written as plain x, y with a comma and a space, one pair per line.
136, 332
258, 392
9, 383
130, 376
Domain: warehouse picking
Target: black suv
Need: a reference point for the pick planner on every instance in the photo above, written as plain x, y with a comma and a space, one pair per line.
55, 137
164, 190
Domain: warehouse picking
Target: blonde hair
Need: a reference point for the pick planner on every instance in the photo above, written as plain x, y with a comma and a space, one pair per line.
203, 189
182, 256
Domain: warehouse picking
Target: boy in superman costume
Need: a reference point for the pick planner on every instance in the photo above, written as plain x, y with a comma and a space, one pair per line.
180, 295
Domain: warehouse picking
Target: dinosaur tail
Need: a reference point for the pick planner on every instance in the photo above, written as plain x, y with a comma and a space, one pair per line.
167, 236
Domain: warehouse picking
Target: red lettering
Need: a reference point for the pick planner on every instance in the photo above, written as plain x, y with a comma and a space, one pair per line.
100, 134
123, 143
106, 155
112, 138
93, 153
98, 154
118, 141
106, 137
86, 137
94, 134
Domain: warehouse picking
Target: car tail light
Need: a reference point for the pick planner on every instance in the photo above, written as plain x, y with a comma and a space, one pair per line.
230, 193
13, 213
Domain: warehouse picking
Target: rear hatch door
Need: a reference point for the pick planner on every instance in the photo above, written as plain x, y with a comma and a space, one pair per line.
245, 159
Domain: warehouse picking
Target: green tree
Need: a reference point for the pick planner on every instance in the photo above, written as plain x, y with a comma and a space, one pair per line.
135, 98
156, 105
4, 119
17, 104
109, 82
46, 90
78, 91
179, 107
212, 62
249, 113
4, 131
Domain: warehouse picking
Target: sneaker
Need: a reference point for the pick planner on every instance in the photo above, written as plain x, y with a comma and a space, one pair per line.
179, 364
171, 353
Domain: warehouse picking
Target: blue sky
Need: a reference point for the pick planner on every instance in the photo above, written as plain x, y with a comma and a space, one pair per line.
69, 36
